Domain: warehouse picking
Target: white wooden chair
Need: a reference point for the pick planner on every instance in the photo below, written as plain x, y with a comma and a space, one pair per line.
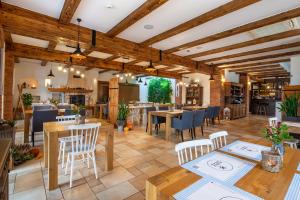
185, 149
85, 146
63, 140
273, 121
218, 139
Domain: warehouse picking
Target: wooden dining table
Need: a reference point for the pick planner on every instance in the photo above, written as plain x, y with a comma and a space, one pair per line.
294, 127
267, 185
168, 115
54, 130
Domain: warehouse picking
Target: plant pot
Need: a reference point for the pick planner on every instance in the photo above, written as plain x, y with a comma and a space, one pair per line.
120, 124
293, 119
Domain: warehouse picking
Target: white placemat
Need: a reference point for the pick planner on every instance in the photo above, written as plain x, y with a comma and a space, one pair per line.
220, 167
294, 189
210, 190
246, 149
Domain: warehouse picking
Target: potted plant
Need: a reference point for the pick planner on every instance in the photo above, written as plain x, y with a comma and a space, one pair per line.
277, 135
77, 109
27, 100
123, 112
7, 129
290, 107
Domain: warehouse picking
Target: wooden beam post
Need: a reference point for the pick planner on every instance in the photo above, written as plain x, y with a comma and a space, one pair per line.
8, 85
2, 37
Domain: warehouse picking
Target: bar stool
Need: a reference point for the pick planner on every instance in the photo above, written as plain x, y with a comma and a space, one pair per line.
262, 108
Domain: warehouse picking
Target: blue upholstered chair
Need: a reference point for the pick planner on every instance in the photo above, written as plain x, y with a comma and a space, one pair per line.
105, 111
209, 114
185, 123
216, 113
42, 107
38, 118
64, 106
199, 118
82, 112
68, 112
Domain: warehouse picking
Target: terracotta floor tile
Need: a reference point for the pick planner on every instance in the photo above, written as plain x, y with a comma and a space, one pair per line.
81, 192
117, 176
117, 192
28, 181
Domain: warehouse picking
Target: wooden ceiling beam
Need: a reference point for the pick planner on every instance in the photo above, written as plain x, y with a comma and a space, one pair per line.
263, 50
256, 67
135, 16
208, 16
278, 55
17, 60
68, 10
269, 76
31, 52
262, 70
111, 58
51, 47
255, 64
2, 37
256, 41
32, 24
241, 29
103, 71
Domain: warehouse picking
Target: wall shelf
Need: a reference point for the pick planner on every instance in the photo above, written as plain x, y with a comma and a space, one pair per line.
70, 90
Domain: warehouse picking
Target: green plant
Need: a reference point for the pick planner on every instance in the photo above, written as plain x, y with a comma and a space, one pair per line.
159, 90
277, 134
123, 111
54, 101
27, 99
290, 105
10, 123
76, 109
21, 153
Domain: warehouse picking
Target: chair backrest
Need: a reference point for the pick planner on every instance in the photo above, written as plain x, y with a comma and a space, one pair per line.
199, 117
41, 107
273, 121
82, 112
188, 151
65, 118
218, 139
41, 116
187, 119
216, 111
209, 112
163, 108
84, 137
64, 106
68, 112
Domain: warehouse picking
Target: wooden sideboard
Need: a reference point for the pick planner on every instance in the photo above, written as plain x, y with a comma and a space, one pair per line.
4, 167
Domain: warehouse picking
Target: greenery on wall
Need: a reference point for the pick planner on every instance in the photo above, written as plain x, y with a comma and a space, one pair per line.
159, 90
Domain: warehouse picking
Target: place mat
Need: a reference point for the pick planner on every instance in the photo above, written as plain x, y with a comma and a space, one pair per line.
246, 149
294, 189
209, 190
220, 167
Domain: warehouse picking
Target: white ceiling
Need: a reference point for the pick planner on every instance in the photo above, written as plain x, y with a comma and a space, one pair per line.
50, 8
97, 16
101, 55
29, 41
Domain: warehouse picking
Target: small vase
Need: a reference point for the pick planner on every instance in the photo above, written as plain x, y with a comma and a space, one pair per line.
278, 147
77, 119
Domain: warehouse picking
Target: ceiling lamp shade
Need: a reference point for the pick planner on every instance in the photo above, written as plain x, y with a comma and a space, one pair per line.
211, 78
150, 68
51, 74
78, 53
140, 80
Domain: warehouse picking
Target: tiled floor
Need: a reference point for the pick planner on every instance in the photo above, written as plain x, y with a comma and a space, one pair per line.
137, 156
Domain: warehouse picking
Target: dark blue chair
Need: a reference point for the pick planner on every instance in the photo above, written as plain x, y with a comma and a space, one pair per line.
42, 107
82, 112
68, 112
105, 111
185, 123
149, 109
199, 118
64, 106
38, 118
216, 114
209, 114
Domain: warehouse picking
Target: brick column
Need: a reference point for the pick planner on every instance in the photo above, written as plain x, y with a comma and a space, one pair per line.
217, 95
244, 79
8, 85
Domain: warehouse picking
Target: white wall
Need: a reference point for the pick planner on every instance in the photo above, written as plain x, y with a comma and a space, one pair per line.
231, 76
295, 70
203, 81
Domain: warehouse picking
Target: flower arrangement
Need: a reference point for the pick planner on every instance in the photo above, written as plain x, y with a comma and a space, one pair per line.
277, 134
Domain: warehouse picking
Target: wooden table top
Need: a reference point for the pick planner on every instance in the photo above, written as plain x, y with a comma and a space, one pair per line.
62, 126
259, 182
294, 127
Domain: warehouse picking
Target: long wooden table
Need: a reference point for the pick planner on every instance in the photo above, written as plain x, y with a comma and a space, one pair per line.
54, 130
168, 115
267, 185
294, 127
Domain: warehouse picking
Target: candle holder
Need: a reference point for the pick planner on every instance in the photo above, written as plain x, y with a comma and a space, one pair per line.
271, 161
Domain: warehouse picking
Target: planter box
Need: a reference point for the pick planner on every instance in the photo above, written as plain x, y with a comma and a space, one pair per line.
8, 132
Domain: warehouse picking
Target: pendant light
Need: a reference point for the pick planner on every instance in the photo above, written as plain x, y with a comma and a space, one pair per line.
78, 53
211, 78
50, 75
145, 83
150, 68
140, 80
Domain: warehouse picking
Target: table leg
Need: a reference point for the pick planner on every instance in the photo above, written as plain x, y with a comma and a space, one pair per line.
168, 127
45, 149
109, 149
26, 127
100, 111
149, 123
53, 161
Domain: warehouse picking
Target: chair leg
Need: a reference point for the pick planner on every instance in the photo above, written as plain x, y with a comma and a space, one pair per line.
192, 134
94, 162
71, 172
88, 160
194, 130
32, 138
63, 155
182, 136
67, 164
147, 127
60, 149
202, 130
219, 119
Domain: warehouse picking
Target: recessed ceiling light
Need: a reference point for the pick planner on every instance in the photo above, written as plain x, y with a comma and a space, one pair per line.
109, 5
188, 51
148, 26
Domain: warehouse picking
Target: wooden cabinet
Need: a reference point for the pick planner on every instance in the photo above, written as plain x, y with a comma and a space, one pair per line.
234, 99
4, 167
237, 110
194, 95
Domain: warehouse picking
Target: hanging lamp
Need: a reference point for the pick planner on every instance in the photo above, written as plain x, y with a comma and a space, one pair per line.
140, 80
145, 83
211, 78
78, 53
150, 68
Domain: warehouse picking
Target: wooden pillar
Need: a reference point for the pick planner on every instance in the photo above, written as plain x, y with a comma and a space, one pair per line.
244, 79
113, 99
217, 91
8, 85
1, 37
1, 67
